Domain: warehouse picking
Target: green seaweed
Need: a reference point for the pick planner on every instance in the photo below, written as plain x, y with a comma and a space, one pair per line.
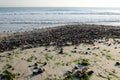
31, 58
85, 62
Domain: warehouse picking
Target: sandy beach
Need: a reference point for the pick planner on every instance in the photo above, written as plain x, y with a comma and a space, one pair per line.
70, 52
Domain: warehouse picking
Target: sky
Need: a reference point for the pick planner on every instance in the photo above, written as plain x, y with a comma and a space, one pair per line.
59, 3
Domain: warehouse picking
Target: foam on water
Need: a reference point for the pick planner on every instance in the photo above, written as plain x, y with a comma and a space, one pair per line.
17, 19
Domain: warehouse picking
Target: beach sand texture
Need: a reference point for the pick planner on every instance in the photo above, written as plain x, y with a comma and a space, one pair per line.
102, 58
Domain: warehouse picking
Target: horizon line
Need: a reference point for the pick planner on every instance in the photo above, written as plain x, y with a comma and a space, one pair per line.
61, 6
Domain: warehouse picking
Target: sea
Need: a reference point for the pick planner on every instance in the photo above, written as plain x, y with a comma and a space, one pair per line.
14, 19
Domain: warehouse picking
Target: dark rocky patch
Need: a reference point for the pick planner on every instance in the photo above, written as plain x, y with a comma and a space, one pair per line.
58, 36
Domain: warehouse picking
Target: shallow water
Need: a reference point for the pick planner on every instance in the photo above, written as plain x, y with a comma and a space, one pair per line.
21, 19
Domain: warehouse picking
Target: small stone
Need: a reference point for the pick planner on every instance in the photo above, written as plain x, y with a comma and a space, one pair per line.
46, 49
9, 54
117, 63
36, 64
88, 48
60, 51
45, 63
75, 47
75, 67
67, 64
90, 72
74, 51
115, 47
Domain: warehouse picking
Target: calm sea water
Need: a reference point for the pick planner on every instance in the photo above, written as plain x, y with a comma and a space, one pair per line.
21, 19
